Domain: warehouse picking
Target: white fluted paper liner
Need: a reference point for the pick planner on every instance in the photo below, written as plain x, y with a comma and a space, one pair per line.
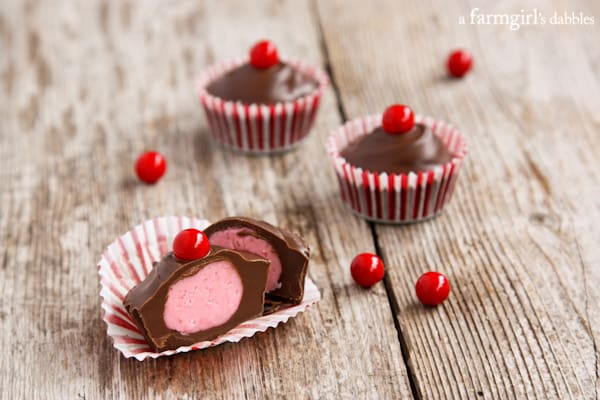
396, 198
260, 128
128, 260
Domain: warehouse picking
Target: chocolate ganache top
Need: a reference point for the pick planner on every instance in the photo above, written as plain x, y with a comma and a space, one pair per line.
379, 151
247, 84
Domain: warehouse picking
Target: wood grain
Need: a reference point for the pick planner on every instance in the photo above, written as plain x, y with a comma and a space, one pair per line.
517, 241
87, 87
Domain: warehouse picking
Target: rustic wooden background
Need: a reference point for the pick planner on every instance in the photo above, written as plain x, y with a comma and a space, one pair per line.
86, 86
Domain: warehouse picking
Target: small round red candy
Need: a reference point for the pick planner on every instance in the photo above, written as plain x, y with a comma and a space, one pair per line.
366, 269
459, 63
190, 244
264, 54
398, 118
150, 166
432, 288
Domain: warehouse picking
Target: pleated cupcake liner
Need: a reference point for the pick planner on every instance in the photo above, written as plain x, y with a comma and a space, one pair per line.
260, 128
129, 259
396, 198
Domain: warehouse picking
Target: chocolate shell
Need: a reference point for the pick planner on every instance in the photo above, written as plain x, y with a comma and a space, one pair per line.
151, 302
292, 252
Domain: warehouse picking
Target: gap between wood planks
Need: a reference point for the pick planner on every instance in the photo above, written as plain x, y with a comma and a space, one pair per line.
386, 282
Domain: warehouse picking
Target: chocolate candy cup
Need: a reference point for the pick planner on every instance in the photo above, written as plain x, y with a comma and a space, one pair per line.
256, 127
389, 197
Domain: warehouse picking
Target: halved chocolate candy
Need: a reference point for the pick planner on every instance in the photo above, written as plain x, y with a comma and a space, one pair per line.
287, 252
184, 302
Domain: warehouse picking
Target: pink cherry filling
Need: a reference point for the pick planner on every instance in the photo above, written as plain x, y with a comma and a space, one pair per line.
243, 239
205, 300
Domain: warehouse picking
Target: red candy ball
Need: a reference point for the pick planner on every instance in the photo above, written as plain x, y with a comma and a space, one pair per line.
459, 63
190, 244
264, 54
366, 269
432, 288
150, 166
398, 118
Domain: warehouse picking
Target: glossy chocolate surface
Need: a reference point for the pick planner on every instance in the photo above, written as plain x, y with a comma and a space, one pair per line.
414, 151
292, 250
279, 83
146, 301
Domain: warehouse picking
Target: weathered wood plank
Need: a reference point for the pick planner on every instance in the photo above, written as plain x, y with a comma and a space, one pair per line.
86, 87
519, 242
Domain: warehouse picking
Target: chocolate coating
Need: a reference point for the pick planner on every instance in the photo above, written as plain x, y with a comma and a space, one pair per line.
146, 301
292, 250
417, 150
279, 83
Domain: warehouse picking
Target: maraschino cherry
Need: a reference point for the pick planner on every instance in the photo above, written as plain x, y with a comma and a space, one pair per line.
432, 288
150, 166
367, 269
459, 63
190, 244
398, 119
264, 55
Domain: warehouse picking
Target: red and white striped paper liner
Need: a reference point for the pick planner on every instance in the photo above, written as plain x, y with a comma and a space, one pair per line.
260, 128
128, 260
396, 198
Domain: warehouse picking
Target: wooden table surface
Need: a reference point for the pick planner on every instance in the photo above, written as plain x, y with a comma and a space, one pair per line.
87, 86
